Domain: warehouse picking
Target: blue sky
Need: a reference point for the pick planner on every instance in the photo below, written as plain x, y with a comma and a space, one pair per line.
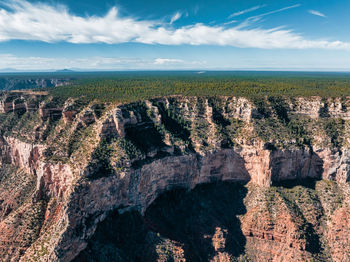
175, 35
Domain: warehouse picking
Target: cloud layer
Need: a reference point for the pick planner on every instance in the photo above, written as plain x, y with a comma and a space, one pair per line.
22, 20
245, 11
93, 63
290, 62
176, 17
317, 13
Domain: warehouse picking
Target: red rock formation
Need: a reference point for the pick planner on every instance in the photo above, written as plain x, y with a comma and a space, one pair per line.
338, 235
72, 196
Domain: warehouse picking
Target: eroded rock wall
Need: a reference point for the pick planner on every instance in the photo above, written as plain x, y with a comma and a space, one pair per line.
90, 159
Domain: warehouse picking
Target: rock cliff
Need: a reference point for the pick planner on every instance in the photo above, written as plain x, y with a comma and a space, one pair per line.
16, 82
174, 179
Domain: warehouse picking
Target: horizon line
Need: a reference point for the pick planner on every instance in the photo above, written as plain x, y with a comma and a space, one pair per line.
72, 71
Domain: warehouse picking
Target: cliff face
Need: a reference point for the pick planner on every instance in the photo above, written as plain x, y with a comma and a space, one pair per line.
16, 83
75, 171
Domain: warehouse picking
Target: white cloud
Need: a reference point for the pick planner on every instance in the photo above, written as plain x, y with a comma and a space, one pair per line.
162, 61
317, 13
256, 18
93, 63
326, 61
230, 22
175, 17
246, 11
45, 63
42, 22
279, 10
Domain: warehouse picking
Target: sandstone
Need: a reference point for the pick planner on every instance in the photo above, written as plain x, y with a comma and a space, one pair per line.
133, 154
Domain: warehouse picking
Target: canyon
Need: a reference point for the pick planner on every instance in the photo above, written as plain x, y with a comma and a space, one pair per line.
13, 82
174, 179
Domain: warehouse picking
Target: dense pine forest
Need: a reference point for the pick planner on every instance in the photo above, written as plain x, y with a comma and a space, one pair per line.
130, 87
135, 86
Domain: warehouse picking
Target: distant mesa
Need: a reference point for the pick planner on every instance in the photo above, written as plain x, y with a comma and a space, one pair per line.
65, 71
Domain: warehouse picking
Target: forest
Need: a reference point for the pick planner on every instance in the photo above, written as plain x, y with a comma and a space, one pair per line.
129, 87
136, 86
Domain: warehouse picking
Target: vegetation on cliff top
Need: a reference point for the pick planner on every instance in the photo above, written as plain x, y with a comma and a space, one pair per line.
137, 86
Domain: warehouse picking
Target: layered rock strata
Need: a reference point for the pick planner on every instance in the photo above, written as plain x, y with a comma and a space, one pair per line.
88, 159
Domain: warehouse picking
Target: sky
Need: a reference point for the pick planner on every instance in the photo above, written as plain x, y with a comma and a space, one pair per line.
174, 35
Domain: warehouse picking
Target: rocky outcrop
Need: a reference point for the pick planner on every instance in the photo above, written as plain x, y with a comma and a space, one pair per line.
89, 160
315, 107
15, 83
20, 101
55, 177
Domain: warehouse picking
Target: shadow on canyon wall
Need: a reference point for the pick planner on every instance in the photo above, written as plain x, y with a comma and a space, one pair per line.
305, 174
190, 218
